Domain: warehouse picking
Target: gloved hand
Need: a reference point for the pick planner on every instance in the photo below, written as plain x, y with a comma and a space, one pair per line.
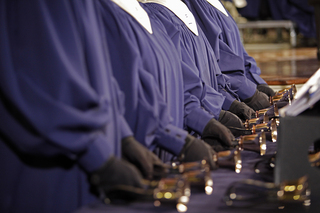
265, 89
258, 101
232, 122
216, 134
242, 110
196, 150
115, 172
140, 156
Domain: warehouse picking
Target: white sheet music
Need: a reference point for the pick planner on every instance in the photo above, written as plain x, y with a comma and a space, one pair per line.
306, 97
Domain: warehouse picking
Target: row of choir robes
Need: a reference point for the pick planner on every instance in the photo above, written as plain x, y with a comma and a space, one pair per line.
195, 48
61, 110
148, 70
163, 94
223, 35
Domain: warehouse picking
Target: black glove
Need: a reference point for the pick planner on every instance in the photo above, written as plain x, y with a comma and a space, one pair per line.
258, 101
242, 110
216, 133
234, 124
265, 89
113, 173
140, 156
196, 150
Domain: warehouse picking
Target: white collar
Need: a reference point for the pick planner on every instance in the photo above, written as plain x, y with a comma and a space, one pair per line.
180, 10
217, 4
133, 8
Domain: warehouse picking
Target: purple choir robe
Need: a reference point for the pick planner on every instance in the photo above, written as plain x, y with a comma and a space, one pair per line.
195, 50
61, 111
223, 34
148, 70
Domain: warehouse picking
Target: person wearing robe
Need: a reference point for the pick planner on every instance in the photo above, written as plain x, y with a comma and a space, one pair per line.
198, 50
62, 126
148, 69
223, 34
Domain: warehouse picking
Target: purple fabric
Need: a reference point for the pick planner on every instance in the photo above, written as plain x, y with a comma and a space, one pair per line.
223, 35
148, 69
196, 50
61, 110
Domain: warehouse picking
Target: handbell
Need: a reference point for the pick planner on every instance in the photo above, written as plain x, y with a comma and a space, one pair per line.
249, 122
247, 139
274, 130
197, 174
248, 193
314, 159
174, 190
293, 91
237, 160
264, 126
262, 111
276, 114
276, 98
295, 190
228, 159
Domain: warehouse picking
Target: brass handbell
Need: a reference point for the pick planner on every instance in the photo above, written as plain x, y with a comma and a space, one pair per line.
314, 159
175, 190
274, 130
276, 110
249, 122
279, 95
276, 98
276, 114
262, 111
236, 156
249, 192
249, 138
264, 126
197, 174
295, 190
237, 160
293, 90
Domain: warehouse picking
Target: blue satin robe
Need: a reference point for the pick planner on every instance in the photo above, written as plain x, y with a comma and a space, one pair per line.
195, 50
148, 70
61, 111
223, 34
159, 102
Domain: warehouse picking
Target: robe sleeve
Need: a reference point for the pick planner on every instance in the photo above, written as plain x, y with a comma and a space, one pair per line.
202, 102
253, 72
233, 66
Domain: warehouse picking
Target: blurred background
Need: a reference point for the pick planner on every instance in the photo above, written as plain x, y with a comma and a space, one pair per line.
281, 35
